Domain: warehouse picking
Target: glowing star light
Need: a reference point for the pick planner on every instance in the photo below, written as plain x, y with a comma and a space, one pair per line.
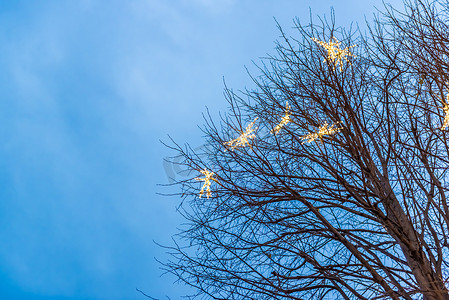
284, 121
243, 139
446, 112
334, 53
207, 178
323, 130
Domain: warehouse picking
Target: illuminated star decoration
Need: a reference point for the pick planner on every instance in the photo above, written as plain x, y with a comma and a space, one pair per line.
243, 139
446, 112
323, 130
334, 53
284, 121
207, 178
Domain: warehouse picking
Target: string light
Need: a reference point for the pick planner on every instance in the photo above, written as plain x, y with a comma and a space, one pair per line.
334, 53
322, 131
446, 112
207, 178
285, 119
244, 138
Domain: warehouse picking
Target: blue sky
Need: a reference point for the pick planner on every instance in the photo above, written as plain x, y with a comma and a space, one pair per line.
88, 88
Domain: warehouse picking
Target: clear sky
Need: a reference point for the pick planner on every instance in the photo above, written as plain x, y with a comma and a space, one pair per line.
88, 88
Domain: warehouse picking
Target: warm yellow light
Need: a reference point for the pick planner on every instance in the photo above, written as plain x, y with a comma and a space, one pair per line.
334, 53
285, 119
446, 113
323, 130
207, 178
243, 139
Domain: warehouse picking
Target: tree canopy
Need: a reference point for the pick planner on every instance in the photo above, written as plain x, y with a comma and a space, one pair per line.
328, 179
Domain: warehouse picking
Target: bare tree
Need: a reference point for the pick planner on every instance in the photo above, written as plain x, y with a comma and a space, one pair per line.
328, 180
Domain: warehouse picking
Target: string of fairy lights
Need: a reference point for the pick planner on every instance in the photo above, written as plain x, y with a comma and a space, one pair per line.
244, 138
336, 56
285, 119
446, 113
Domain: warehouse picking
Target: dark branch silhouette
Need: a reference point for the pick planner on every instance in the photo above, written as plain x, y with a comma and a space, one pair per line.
341, 190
